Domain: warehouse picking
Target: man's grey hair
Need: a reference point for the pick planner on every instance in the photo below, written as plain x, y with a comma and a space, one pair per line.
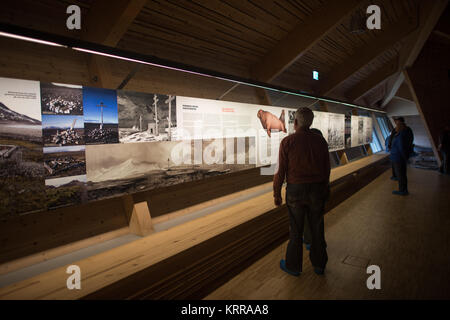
304, 117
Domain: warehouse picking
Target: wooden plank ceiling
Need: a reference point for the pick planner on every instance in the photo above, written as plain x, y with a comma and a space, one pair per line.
235, 36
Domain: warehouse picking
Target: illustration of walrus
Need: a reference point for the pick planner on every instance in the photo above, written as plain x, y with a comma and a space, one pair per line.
271, 122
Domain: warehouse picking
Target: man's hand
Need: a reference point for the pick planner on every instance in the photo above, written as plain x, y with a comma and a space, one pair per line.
278, 201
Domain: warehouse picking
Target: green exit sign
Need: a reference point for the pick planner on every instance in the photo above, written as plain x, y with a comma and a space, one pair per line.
316, 75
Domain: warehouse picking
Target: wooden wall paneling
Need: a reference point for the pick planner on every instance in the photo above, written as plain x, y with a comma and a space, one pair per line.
38, 232
47, 64
178, 197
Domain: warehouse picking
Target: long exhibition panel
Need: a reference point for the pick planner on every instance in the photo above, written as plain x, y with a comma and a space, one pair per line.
69, 151
62, 145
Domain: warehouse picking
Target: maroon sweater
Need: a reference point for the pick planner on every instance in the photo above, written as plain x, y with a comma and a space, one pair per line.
303, 158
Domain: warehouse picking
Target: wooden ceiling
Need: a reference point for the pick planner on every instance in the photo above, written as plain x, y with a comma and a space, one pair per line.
277, 41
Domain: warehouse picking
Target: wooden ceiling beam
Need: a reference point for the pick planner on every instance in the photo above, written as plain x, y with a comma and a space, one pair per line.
386, 39
375, 79
304, 36
404, 92
106, 23
429, 14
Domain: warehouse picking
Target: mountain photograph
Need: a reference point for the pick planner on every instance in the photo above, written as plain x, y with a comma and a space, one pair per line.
21, 157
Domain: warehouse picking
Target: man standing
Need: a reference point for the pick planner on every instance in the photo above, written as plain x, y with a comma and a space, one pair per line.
305, 164
401, 149
409, 140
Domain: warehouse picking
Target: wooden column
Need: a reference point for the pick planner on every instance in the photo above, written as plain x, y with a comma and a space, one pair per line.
342, 157
369, 149
425, 106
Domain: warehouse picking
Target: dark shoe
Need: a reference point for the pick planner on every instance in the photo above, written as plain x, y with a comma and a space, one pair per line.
394, 178
400, 193
283, 267
319, 271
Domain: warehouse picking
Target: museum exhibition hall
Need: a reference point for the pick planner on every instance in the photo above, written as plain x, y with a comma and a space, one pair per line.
142, 142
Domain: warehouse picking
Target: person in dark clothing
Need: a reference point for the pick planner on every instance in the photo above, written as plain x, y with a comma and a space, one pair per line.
307, 232
304, 162
401, 149
444, 148
409, 141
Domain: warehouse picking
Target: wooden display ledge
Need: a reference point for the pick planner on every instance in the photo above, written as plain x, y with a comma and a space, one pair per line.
105, 269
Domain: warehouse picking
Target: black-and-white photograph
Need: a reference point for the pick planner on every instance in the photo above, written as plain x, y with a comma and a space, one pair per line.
116, 169
57, 98
291, 116
360, 130
336, 132
145, 117
368, 130
348, 131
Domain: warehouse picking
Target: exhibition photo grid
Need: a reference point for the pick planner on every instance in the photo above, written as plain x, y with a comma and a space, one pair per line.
64, 144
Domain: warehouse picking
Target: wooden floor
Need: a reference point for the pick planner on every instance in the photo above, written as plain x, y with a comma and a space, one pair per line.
408, 237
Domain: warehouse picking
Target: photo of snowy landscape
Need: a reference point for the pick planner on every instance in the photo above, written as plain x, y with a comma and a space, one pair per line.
117, 169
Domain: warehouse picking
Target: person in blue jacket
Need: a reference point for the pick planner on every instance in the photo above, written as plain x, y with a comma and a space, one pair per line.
400, 148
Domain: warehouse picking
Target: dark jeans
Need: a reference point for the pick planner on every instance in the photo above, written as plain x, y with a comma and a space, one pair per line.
306, 231
393, 171
306, 200
400, 173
